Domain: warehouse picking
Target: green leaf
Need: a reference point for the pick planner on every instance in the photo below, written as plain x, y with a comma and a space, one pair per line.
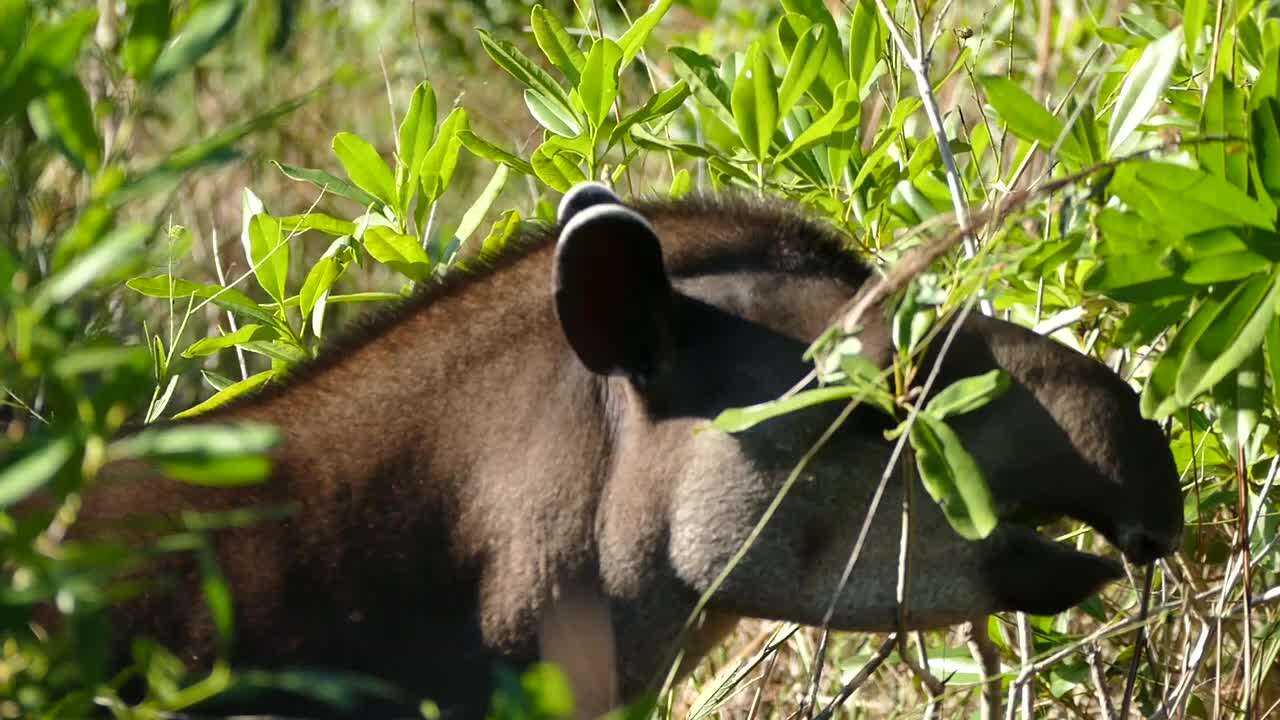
195, 442
803, 67
474, 214
327, 182
228, 394
162, 286
441, 160
417, 132
106, 255
15, 16
269, 254
1135, 278
401, 253
952, 478
286, 351
738, 419
755, 103
632, 41
46, 58
1266, 144
1193, 17
864, 44
599, 85
213, 584
681, 184
658, 105
148, 32
294, 224
549, 115
506, 227
64, 116
843, 116
1223, 114
553, 166
210, 345
214, 454
1027, 118
320, 279
365, 167
1235, 332
509, 58
24, 476
800, 12
1186, 200
556, 44
700, 72
1142, 88
968, 394
207, 26
1271, 347
485, 149
1226, 267
99, 359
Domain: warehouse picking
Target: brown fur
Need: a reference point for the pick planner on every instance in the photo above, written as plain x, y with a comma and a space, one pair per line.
453, 465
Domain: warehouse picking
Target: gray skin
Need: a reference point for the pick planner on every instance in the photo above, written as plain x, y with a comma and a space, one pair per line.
542, 432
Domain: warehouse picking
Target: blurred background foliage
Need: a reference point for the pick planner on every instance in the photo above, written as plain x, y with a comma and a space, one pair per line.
191, 192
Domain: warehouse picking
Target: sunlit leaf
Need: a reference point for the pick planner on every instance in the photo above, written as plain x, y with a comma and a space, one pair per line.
401, 253
599, 84
1027, 118
485, 149
1143, 85
327, 182
365, 167
968, 394
210, 345
226, 395
559, 47
207, 26
22, 477
148, 32
952, 478
632, 41
1235, 332
738, 419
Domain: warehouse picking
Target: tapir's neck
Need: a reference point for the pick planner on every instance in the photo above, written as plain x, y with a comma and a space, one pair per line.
465, 444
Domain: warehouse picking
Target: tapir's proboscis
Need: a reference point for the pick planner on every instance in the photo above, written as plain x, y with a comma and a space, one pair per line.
539, 429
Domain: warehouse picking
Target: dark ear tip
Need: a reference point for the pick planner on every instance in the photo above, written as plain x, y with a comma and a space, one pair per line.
582, 196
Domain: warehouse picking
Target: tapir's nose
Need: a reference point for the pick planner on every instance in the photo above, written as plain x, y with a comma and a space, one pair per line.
1144, 545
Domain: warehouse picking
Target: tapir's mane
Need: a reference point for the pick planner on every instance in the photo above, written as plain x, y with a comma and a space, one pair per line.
713, 235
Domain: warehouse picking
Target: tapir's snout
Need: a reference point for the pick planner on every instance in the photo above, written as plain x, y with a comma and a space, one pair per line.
1083, 448
1142, 546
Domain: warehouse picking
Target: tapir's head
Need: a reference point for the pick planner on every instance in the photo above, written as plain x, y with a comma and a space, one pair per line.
684, 311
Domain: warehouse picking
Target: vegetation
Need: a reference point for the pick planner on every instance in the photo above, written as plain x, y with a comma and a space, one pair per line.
1106, 176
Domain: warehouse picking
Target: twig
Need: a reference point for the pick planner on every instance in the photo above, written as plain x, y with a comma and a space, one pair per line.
987, 656
918, 63
856, 681
1025, 651
1094, 658
1139, 643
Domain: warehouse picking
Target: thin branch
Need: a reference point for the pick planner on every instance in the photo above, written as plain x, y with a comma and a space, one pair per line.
863, 675
1139, 643
1094, 658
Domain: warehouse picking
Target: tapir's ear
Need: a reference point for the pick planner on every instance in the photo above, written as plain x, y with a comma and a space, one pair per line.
612, 295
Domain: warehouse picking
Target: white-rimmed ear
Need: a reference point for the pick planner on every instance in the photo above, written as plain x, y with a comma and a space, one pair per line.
582, 196
612, 294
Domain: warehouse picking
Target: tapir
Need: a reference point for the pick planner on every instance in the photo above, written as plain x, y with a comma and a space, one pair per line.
535, 430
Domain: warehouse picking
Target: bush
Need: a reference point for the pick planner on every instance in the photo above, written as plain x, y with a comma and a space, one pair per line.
1111, 182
